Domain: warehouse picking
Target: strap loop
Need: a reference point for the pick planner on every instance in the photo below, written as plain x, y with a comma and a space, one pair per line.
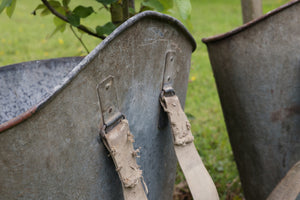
197, 177
181, 127
289, 187
119, 142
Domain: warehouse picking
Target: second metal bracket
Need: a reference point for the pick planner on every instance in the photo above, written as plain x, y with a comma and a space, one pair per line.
170, 69
170, 72
109, 102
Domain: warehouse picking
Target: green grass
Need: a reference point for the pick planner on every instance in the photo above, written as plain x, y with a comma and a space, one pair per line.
24, 38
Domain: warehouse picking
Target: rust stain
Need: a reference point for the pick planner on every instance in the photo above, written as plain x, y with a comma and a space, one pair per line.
285, 113
294, 110
17, 119
276, 116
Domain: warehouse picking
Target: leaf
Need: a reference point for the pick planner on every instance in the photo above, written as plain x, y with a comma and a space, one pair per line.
74, 19
185, 8
55, 4
60, 28
144, 8
106, 29
105, 2
82, 11
4, 4
58, 22
39, 7
131, 11
61, 10
45, 12
154, 4
167, 4
66, 3
10, 10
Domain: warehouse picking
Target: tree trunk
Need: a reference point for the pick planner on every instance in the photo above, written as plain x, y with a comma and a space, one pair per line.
131, 4
116, 12
125, 5
120, 11
251, 9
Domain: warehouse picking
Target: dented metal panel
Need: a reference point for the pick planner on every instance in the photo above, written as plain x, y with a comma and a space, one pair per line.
257, 72
51, 149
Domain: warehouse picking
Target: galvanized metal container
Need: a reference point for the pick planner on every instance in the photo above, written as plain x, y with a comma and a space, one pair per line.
50, 114
257, 72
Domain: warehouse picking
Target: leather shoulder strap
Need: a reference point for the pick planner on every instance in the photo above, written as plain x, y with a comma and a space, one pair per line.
289, 186
197, 177
119, 142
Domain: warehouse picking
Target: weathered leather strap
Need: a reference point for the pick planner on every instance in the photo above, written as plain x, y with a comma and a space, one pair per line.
197, 177
119, 142
289, 186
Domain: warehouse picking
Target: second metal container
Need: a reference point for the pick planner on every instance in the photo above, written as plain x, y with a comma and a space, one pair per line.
257, 72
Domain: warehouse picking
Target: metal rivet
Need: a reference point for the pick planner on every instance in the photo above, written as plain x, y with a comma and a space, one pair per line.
107, 86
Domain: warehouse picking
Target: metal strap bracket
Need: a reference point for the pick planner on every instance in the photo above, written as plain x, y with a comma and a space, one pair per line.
118, 139
171, 104
170, 69
108, 98
167, 86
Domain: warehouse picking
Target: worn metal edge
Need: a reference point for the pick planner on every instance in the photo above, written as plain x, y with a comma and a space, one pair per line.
22, 117
130, 22
18, 65
249, 24
18, 119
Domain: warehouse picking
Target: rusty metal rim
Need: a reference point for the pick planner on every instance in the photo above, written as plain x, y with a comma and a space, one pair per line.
18, 119
249, 24
147, 14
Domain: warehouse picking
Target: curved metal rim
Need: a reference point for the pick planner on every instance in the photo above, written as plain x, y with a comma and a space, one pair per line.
18, 119
17, 65
249, 24
147, 14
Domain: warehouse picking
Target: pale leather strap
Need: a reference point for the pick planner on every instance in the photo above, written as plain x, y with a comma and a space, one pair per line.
119, 142
197, 177
289, 186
